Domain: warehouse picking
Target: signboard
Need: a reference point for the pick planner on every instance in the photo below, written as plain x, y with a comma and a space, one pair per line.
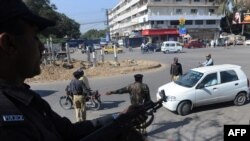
241, 18
182, 31
246, 18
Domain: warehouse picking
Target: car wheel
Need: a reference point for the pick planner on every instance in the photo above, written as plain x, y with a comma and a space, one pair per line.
240, 99
184, 108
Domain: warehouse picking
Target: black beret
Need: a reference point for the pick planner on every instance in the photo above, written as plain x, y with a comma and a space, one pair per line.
138, 76
12, 9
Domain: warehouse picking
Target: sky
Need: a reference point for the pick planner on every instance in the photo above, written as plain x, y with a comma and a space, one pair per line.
85, 11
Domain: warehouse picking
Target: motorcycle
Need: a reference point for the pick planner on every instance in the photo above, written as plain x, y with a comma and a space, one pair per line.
93, 101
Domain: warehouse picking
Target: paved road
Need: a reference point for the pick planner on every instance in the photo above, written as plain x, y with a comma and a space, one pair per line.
204, 123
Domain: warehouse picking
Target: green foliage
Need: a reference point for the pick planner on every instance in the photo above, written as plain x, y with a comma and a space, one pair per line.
94, 34
64, 25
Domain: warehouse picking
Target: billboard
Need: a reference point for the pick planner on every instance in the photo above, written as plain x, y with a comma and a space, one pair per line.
246, 18
241, 18
237, 17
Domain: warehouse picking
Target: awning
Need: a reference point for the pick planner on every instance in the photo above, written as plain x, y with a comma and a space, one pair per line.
147, 32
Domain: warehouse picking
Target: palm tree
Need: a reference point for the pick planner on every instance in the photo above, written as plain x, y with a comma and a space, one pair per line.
226, 8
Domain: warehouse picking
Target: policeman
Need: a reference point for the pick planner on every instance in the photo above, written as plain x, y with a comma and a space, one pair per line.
79, 90
138, 91
24, 115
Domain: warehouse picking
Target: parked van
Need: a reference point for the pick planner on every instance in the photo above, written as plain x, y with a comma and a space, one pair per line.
171, 46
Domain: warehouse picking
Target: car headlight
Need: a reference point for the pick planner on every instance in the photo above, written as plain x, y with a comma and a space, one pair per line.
171, 98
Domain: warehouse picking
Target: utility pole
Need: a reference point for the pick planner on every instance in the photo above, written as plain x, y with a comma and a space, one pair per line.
107, 22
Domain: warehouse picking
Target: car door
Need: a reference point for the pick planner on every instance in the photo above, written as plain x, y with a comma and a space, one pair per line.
229, 85
172, 47
209, 93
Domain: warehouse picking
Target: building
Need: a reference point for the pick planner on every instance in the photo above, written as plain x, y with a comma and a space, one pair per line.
158, 20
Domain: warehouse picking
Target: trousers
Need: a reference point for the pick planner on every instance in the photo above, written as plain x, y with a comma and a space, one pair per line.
80, 107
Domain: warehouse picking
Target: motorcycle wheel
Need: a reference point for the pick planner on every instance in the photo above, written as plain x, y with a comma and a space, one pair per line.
95, 105
65, 102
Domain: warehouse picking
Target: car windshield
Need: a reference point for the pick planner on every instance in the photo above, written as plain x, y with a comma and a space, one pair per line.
189, 79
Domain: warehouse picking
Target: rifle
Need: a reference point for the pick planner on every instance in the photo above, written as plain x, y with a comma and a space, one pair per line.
113, 130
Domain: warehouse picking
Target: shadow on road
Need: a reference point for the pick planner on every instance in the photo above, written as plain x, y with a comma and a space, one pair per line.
44, 93
165, 125
110, 104
215, 106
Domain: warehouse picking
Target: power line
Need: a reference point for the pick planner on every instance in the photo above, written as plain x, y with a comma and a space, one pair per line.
93, 22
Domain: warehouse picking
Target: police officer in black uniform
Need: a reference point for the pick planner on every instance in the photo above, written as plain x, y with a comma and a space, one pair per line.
24, 115
79, 91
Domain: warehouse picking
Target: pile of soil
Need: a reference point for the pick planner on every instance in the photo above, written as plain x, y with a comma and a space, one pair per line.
58, 73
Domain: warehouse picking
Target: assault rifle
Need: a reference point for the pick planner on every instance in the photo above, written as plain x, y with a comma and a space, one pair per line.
121, 125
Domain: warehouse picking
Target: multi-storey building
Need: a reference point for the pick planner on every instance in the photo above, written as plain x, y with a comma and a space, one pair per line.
159, 19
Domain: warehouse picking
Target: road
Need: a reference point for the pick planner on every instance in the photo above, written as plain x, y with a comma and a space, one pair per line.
203, 124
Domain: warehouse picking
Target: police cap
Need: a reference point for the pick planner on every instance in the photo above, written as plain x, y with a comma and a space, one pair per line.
138, 76
14, 9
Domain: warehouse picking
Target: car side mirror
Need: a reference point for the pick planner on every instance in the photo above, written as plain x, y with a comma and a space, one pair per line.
200, 86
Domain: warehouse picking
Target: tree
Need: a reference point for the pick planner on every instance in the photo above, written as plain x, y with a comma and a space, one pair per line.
94, 34
64, 25
228, 7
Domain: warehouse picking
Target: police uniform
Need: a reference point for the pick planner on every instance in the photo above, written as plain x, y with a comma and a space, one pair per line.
25, 116
139, 93
79, 91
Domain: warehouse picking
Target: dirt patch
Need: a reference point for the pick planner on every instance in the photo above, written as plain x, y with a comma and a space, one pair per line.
58, 72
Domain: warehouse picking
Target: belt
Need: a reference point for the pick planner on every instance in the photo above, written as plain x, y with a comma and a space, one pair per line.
78, 94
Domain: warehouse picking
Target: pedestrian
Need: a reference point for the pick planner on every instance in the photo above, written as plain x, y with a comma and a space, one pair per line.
208, 62
138, 91
175, 69
79, 90
24, 115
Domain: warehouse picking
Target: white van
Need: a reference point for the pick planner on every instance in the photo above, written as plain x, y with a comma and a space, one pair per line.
171, 46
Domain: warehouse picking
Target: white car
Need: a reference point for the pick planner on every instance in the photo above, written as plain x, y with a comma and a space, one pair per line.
171, 46
247, 42
204, 86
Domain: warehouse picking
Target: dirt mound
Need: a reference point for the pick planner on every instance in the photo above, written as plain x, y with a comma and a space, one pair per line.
58, 73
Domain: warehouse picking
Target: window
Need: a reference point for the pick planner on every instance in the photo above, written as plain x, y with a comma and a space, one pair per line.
210, 22
210, 80
196, 0
178, 0
194, 11
228, 76
178, 11
211, 0
174, 22
159, 22
152, 22
188, 22
199, 22
211, 11
157, 0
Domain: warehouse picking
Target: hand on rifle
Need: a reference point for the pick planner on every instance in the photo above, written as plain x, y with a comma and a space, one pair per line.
134, 115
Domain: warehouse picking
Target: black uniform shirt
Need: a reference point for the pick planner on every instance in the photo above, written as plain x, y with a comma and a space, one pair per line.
78, 87
25, 116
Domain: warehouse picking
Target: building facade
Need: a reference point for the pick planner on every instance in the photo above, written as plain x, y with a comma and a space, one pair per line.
158, 20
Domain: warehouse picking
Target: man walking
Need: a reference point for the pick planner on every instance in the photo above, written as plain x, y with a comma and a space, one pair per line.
175, 69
